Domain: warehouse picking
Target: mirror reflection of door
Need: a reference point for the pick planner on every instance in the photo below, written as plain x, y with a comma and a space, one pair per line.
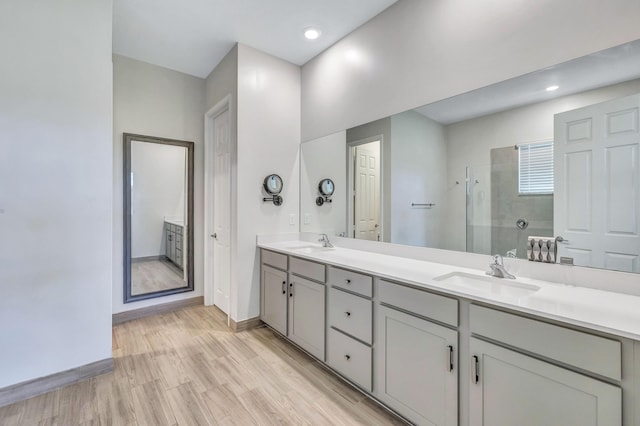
597, 194
158, 211
365, 185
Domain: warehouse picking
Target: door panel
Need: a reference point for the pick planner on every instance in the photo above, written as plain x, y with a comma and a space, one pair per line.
597, 192
367, 191
222, 212
306, 315
416, 368
515, 389
274, 298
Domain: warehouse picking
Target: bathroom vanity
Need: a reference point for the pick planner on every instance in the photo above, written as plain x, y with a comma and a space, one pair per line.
173, 234
446, 345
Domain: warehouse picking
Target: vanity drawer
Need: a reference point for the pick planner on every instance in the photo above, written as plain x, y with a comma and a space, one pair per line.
351, 314
350, 358
352, 281
586, 351
420, 302
307, 269
274, 259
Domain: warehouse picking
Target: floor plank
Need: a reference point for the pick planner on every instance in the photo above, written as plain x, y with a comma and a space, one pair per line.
187, 368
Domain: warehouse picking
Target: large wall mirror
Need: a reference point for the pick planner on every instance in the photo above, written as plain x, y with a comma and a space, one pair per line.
551, 153
158, 217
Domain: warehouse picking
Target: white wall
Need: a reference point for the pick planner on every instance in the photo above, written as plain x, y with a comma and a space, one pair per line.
417, 52
322, 158
469, 143
418, 175
155, 101
268, 142
56, 180
158, 192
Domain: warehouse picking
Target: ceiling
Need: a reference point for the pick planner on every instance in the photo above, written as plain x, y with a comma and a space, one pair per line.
610, 66
192, 36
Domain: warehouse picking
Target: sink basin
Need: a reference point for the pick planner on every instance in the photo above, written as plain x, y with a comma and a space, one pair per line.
311, 249
485, 285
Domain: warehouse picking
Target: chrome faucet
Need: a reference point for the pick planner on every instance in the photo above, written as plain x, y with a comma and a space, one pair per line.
324, 239
497, 268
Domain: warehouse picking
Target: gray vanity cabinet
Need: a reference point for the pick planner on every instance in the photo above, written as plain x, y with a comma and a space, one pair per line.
416, 370
293, 300
274, 298
349, 326
306, 315
509, 388
541, 376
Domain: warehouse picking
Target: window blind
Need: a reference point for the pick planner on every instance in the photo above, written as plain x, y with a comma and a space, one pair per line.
535, 168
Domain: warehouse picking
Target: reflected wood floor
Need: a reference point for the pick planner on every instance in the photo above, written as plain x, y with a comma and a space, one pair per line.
155, 275
186, 368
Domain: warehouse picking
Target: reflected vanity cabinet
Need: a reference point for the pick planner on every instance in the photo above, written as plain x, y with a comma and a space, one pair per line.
293, 300
173, 242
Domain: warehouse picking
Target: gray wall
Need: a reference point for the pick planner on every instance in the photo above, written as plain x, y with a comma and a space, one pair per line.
418, 175
155, 101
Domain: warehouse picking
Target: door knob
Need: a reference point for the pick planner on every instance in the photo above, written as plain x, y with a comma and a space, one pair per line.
214, 236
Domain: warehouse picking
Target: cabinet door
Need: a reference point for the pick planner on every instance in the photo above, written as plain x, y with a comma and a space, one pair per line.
306, 315
274, 298
509, 388
416, 368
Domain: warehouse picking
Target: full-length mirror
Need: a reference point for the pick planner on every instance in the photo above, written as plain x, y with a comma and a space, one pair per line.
158, 217
553, 153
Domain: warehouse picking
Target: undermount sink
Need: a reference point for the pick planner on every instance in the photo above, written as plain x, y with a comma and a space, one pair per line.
311, 249
479, 284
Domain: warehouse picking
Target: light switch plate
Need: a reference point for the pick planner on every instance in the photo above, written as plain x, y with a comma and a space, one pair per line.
292, 219
307, 218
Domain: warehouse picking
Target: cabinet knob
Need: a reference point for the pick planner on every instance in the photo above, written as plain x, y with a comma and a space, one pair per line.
348, 281
348, 314
347, 357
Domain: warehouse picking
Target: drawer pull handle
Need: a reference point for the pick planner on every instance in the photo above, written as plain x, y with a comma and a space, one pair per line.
348, 314
475, 366
450, 358
347, 357
348, 281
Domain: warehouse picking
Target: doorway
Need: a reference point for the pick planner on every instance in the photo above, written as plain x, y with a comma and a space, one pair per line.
364, 174
219, 155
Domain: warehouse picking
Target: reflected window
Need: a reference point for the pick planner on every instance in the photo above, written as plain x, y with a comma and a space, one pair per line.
535, 168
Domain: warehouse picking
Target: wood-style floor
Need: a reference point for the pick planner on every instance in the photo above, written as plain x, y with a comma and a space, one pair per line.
155, 275
187, 368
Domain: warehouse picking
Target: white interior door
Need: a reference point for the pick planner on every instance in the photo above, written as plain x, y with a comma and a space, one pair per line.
366, 200
597, 184
221, 212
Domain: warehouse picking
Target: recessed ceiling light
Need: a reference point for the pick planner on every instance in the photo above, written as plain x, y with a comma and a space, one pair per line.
311, 33
552, 88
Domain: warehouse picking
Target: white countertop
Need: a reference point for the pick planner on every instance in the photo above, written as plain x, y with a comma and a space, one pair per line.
606, 311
